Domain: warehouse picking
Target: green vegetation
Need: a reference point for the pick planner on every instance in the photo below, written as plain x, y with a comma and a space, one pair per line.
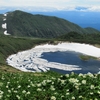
1, 22
10, 45
49, 86
81, 38
5, 68
27, 25
86, 57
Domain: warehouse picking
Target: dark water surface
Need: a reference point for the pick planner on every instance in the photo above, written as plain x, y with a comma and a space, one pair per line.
72, 58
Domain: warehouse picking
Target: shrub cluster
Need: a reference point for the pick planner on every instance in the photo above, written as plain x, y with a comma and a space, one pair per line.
22, 86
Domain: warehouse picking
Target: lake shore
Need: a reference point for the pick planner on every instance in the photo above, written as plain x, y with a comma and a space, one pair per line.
30, 61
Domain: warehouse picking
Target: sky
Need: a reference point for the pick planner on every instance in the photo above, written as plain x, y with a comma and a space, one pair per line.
50, 5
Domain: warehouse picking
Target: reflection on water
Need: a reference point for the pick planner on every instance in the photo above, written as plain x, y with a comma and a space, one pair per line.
72, 58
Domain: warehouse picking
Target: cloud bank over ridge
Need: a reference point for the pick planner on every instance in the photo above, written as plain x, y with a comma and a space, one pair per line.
53, 5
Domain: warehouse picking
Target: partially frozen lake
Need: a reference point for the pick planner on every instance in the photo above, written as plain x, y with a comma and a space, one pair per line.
33, 61
72, 58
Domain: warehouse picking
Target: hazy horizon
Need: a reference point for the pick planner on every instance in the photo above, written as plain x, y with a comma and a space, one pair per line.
84, 13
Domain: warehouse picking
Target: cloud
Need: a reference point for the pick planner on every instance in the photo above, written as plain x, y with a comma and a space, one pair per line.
88, 8
52, 5
81, 8
94, 8
32, 2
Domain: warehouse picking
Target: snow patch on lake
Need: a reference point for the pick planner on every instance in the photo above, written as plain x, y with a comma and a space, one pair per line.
30, 60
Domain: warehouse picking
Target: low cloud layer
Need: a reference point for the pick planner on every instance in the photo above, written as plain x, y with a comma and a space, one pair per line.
47, 5
46, 9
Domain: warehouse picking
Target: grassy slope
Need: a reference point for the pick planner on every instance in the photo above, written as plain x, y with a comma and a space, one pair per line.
1, 21
10, 45
89, 29
82, 38
25, 24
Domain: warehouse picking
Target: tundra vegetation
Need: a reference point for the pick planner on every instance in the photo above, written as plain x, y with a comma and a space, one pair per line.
49, 86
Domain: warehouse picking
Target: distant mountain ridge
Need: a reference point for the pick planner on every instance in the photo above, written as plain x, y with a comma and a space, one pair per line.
24, 24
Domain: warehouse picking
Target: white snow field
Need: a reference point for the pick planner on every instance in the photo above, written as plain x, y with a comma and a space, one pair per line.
4, 26
30, 61
5, 32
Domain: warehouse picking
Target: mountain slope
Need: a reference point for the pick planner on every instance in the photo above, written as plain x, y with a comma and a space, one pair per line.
89, 29
93, 38
1, 22
24, 24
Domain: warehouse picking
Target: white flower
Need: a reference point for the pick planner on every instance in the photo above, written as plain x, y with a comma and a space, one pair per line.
80, 74
73, 97
55, 93
3, 78
7, 86
23, 91
92, 87
59, 79
19, 86
83, 81
15, 91
12, 89
8, 95
53, 78
84, 76
9, 91
8, 82
44, 83
18, 96
90, 74
1, 84
52, 88
33, 85
73, 80
29, 80
53, 98
67, 75
62, 96
28, 92
62, 82
1, 92
67, 93
28, 86
52, 82
39, 89
38, 85
48, 81
77, 84
98, 92
91, 93
80, 96
72, 73
1, 96
77, 87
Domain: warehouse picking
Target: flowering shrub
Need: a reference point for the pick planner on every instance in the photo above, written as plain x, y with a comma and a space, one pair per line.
28, 86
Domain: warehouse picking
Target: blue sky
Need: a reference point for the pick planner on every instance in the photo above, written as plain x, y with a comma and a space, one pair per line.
50, 5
